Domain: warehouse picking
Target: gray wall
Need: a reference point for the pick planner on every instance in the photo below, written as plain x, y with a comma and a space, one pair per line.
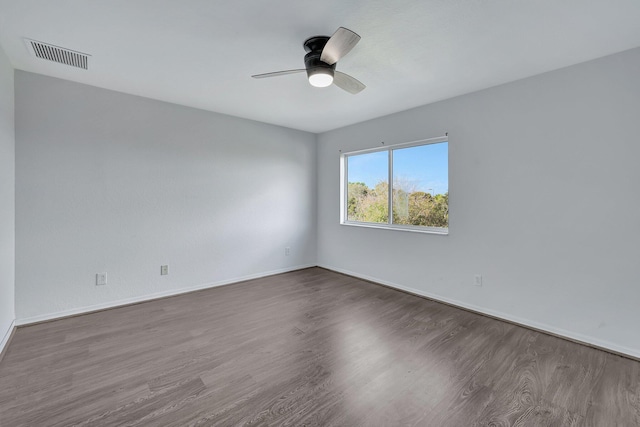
544, 203
7, 199
109, 182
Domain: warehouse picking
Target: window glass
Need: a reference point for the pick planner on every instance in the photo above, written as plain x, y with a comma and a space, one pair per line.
368, 187
420, 185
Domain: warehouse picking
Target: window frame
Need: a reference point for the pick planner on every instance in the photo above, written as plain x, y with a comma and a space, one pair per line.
389, 225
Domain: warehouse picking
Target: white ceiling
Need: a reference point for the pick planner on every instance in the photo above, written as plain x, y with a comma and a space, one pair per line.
201, 53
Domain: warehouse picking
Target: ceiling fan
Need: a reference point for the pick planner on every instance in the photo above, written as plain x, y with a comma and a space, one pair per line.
323, 52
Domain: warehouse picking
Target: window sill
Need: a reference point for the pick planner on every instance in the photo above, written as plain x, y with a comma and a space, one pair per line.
395, 227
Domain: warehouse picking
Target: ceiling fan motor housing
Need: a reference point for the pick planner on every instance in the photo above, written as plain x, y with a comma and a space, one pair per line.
314, 65
312, 62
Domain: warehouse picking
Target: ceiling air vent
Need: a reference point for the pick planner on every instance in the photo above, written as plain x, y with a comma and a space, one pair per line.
58, 54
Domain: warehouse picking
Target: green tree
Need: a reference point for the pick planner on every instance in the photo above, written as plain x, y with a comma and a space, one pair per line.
375, 207
409, 207
439, 215
420, 205
356, 192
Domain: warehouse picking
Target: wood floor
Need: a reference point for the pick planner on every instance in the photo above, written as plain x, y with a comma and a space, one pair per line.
307, 348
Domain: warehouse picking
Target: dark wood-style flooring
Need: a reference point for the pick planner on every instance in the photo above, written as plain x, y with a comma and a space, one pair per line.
307, 348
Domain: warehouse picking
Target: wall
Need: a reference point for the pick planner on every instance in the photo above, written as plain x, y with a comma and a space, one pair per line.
7, 200
544, 203
109, 182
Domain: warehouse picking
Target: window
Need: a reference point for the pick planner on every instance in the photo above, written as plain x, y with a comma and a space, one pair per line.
418, 198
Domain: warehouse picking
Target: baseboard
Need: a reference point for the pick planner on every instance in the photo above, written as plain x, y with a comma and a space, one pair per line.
149, 297
6, 339
561, 333
527, 323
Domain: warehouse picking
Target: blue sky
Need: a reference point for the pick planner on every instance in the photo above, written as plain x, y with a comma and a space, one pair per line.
422, 168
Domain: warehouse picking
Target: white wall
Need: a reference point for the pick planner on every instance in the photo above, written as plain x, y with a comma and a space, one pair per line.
544, 203
109, 182
7, 199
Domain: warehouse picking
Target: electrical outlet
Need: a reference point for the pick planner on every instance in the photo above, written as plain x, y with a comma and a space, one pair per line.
164, 270
287, 251
101, 279
477, 280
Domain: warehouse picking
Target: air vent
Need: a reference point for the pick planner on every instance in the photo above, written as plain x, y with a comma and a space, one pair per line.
58, 54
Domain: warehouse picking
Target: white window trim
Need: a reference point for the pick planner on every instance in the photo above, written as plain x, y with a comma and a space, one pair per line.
389, 225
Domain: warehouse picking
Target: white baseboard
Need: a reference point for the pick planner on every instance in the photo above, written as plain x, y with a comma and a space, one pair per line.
591, 341
6, 337
572, 336
149, 297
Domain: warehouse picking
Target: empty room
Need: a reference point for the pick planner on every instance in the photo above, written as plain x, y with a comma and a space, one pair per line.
296, 213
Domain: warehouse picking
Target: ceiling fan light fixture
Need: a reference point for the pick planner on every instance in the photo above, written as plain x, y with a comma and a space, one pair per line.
320, 77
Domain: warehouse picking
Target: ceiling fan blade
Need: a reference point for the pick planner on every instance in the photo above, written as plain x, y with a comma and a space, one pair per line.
348, 83
278, 73
340, 43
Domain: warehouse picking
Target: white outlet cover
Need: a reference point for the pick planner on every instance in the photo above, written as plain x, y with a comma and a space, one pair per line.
477, 280
101, 279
